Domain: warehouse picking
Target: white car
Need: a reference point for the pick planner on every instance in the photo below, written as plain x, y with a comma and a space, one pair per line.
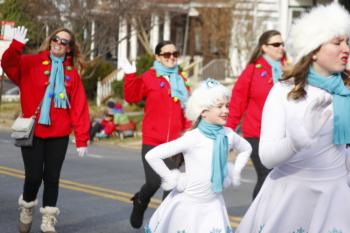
11, 95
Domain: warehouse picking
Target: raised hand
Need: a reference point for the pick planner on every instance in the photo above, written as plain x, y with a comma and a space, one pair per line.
126, 66
316, 115
20, 34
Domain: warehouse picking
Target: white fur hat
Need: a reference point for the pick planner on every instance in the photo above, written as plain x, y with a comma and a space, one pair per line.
316, 27
205, 96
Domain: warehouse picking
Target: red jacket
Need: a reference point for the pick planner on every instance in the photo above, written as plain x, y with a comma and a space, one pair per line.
248, 98
163, 116
108, 126
29, 73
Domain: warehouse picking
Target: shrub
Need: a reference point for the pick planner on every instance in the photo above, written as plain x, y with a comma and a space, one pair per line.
143, 63
96, 70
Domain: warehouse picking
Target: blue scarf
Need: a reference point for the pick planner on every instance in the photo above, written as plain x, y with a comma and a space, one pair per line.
55, 89
177, 84
341, 103
220, 153
276, 68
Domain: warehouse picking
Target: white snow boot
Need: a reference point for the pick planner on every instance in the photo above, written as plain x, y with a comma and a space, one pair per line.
25, 215
49, 219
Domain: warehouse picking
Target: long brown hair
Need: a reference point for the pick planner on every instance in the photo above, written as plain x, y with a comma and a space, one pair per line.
300, 71
263, 40
77, 57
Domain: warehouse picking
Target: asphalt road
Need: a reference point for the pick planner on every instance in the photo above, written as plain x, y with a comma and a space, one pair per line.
95, 190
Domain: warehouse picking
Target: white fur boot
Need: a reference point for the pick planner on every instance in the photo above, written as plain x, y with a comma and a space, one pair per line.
26, 214
49, 219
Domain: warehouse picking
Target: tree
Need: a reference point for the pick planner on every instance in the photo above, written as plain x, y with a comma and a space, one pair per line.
247, 27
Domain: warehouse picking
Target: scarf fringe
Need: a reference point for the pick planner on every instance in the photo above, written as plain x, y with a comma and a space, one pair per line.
61, 103
147, 229
341, 135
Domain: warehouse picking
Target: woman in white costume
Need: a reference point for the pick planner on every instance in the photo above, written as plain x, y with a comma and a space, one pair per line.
305, 130
195, 204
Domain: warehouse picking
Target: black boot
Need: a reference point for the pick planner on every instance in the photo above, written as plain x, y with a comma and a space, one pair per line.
138, 211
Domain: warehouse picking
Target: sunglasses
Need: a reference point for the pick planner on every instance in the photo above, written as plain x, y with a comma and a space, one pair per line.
169, 54
60, 40
277, 44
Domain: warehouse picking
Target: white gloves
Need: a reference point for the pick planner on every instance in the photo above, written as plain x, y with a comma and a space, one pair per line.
175, 179
233, 176
20, 34
316, 115
314, 122
82, 151
127, 67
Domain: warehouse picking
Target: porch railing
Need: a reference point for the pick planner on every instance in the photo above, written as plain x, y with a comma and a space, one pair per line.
104, 86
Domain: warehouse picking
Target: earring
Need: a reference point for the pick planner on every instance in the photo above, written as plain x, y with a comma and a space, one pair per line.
314, 57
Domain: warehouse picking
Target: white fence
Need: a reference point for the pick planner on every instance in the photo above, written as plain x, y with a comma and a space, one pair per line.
218, 69
104, 86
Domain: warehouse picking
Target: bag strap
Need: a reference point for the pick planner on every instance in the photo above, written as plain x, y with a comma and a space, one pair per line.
37, 109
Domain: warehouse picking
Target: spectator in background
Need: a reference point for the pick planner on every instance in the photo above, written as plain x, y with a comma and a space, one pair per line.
120, 118
165, 92
103, 128
250, 92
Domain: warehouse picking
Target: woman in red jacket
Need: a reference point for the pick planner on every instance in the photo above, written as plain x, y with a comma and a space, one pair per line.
48, 80
165, 92
250, 92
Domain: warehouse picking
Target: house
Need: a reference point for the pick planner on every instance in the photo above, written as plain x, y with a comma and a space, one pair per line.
215, 30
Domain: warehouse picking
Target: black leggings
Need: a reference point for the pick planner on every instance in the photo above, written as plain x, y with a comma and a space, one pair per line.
153, 180
43, 162
261, 171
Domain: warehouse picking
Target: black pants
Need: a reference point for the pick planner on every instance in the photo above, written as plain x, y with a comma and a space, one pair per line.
153, 180
43, 162
94, 129
261, 171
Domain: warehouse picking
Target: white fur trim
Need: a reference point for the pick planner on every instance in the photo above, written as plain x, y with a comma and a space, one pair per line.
181, 182
169, 182
229, 177
204, 97
236, 179
25, 204
49, 210
175, 179
318, 26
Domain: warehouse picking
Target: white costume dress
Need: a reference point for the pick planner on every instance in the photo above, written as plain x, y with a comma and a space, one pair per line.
308, 192
197, 209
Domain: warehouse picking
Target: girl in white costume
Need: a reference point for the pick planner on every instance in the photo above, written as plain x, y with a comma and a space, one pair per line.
195, 204
305, 129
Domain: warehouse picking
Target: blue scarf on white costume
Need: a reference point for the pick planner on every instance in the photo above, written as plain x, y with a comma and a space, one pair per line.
341, 103
220, 153
55, 89
276, 68
177, 84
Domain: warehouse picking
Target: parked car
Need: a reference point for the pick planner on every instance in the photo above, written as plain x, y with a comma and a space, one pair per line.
11, 95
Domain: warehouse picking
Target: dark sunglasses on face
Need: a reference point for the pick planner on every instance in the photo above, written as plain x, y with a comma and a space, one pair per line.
169, 54
60, 40
277, 44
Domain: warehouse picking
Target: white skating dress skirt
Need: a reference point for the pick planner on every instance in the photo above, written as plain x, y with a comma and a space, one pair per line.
309, 194
180, 213
198, 209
